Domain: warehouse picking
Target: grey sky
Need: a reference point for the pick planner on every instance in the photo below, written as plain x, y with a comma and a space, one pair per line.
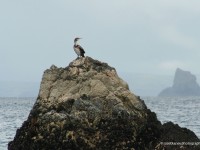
138, 36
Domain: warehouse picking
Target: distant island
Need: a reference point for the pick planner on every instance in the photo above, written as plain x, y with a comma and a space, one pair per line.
184, 84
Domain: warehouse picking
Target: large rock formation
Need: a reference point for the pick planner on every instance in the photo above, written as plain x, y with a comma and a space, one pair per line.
87, 106
184, 84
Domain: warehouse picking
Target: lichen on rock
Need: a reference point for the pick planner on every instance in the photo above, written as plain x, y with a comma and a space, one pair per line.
87, 106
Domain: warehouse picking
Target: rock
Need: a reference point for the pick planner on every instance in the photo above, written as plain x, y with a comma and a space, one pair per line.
185, 84
87, 106
180, 138
172, 132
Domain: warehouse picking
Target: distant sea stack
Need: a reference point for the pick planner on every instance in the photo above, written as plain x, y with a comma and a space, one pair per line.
87, 106
185, 84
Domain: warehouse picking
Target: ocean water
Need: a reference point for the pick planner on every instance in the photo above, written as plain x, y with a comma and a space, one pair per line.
13, 112
184, 111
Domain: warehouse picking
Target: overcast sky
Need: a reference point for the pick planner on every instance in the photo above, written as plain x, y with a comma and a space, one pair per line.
137, 36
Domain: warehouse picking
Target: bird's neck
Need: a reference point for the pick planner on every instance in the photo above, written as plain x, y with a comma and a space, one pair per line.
76, 43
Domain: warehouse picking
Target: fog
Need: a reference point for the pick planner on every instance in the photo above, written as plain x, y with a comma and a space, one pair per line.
138, 38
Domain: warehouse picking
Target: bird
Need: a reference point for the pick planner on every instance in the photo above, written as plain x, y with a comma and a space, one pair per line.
78, 49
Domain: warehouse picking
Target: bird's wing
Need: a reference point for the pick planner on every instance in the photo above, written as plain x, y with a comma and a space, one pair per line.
81, 49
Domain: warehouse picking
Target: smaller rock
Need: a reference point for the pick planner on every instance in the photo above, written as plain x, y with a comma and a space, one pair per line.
53, 67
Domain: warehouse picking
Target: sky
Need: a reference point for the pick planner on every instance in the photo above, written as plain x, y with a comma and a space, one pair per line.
134, 36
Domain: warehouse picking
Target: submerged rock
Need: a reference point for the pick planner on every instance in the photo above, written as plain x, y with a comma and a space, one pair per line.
185, 84
87, 106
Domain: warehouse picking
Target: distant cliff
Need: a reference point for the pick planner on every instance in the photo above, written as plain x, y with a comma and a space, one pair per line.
184, 84
87, 106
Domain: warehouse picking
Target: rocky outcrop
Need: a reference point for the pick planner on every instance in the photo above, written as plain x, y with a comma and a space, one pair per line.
173, 137
87, 106
185, 84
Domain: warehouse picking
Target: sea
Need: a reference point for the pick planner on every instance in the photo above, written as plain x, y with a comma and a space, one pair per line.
184, 111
